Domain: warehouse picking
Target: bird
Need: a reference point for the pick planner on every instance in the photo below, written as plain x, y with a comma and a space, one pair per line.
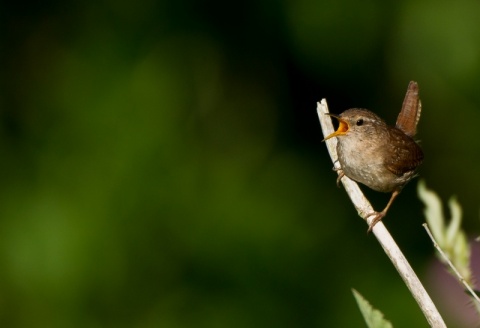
382, 157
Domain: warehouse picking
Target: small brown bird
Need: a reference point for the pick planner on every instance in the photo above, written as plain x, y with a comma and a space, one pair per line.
382, 157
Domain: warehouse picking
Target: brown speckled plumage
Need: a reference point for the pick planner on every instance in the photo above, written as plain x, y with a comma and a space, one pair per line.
384, 158
377, 155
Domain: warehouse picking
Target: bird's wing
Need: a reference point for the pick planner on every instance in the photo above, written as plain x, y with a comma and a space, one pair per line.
407, 155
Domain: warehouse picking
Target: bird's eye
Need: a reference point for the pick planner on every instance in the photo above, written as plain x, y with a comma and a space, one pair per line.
359, 122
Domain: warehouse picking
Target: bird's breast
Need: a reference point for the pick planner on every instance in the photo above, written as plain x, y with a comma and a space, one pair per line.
364, 161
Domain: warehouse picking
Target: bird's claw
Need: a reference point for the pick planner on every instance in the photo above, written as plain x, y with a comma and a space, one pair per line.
340, 173
378, 216
340, 176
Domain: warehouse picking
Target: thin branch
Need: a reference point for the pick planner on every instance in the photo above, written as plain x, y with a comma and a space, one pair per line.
363, 207
454, 269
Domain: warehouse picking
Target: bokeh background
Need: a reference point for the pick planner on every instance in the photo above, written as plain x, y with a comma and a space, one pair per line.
162, 165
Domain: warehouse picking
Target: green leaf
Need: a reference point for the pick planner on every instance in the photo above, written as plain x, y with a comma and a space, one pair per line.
433, 212
373, 318
460, 256
454, 225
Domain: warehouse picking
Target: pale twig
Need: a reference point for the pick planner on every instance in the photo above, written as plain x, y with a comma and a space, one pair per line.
450, 264
363, 208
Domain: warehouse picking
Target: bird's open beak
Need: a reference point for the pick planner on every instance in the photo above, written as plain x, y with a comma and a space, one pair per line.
342, 127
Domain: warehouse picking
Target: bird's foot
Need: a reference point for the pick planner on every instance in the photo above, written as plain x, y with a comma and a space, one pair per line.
340, 173
340, 176
378, 216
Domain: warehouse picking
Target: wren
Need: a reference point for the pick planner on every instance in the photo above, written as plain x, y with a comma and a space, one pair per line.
382, 157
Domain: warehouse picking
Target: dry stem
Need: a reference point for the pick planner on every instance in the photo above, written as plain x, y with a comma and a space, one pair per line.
450, 264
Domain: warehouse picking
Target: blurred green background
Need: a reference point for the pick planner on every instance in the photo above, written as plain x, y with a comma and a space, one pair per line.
162, 165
